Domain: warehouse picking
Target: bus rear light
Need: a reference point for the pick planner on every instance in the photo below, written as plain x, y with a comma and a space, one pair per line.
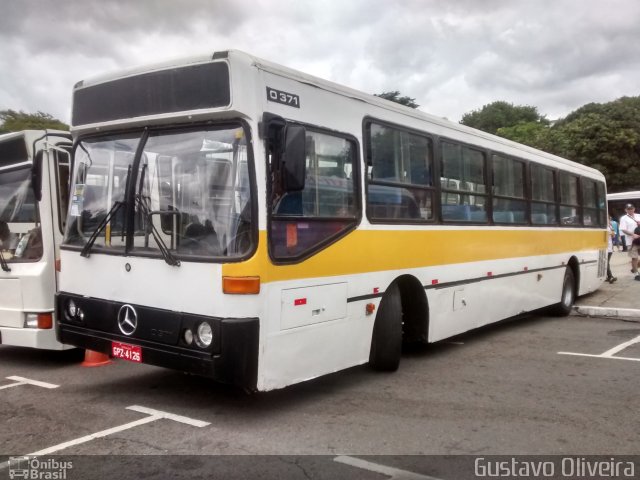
43, 321
58, 265
370, 308
241, 285
31, 320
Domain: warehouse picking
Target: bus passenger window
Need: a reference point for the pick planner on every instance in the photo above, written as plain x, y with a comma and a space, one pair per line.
509, 202
543, 204
569, 203
325, 208
463, 189
400, 184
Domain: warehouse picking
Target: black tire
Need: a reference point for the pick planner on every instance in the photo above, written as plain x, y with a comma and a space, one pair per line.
386, 342
564, 307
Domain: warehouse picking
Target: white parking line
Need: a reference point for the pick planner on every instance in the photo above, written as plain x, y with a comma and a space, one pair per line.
27, 381
169, 416
153, 416
629, 359
394, 473
610, 354
622, 346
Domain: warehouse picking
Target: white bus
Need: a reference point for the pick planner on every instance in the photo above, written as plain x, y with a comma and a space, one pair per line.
34, 189
617, 201
247, 222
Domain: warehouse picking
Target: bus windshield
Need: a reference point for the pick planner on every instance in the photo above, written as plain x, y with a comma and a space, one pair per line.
19, 216
182, 191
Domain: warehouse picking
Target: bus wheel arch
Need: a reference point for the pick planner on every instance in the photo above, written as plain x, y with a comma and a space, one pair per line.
402, 316
574, 264
386, 340
569, 292
415, 310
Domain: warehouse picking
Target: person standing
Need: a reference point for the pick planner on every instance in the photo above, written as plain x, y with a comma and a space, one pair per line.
616, 234
611, 235
628, 223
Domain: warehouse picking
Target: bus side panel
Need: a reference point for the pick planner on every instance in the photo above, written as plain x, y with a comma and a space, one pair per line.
307, 352
11, 301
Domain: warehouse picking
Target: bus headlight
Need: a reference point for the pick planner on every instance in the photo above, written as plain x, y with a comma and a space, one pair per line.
188, 337
74, 312
204, 335
72, 309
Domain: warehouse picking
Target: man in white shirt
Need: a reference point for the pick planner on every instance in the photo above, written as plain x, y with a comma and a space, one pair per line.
628, 223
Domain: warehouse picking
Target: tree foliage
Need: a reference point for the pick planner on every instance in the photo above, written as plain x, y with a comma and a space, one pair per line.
603, 136
13, 121
394, 96
500, 114
606, 137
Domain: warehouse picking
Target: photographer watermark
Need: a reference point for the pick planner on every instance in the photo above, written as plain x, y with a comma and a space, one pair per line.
554, 467
35, 468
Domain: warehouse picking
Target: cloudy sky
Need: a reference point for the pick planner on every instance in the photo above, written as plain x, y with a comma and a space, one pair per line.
452, 56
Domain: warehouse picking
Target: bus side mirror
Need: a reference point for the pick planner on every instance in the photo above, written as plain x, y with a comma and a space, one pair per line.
294, 158
36, 175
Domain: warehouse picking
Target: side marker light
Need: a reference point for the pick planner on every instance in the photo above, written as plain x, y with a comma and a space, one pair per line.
241, 285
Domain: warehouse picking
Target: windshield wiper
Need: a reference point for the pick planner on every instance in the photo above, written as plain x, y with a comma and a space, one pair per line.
164, 250
3, 263
86, 250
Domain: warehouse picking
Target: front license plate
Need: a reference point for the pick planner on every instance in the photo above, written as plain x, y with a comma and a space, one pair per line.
133, 353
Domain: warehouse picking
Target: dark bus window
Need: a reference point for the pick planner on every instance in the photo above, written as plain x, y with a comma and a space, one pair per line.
462, 182
509, 203
400, 184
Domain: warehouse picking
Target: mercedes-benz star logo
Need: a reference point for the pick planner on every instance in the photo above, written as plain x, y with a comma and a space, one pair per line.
127, 319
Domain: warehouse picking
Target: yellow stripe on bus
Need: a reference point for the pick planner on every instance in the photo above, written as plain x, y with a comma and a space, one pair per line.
364, 251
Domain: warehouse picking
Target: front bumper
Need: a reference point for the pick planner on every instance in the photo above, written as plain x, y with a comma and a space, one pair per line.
31, 337
232, 358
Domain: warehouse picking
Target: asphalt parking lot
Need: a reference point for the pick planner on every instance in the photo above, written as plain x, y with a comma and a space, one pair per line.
533, 386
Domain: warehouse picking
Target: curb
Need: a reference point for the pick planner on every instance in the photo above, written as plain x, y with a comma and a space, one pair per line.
629, 314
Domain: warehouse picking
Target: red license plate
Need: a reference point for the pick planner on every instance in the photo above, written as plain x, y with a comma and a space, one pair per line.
133, 353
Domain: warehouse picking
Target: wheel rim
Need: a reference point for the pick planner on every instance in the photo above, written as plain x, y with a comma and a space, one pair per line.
567, 294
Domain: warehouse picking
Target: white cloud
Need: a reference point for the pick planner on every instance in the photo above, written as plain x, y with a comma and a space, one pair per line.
452, 57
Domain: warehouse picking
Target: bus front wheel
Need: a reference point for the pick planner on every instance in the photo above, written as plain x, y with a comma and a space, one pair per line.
563, 308
386, 342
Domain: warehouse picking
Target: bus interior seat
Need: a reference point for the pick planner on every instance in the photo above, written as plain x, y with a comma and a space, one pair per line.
197, 236
539, 218
503, 217
331, 172
290, 204
478, 216
519, 216
456, 212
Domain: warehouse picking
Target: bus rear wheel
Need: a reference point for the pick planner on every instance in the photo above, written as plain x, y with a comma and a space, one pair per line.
564, 307
386, 342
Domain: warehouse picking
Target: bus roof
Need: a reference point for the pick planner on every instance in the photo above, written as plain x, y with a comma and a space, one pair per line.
631, 195
237, 56
31, 135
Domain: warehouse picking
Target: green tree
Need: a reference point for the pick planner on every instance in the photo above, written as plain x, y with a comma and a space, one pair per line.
494, 116
603, 136
394, 96
606, 137
13, 121
534, 134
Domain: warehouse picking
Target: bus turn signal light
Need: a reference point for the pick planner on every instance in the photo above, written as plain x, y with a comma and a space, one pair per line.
241, 285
